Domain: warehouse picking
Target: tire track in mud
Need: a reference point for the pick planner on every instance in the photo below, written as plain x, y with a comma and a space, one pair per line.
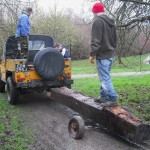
48, 122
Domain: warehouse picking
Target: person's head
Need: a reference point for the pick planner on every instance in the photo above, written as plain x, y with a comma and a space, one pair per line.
98, 9
58, 46
28, 11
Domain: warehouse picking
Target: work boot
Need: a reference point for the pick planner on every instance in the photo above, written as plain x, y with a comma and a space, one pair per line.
21, 55
105, 102
109, 103
100, 100
96, 100
18, 56
25, 56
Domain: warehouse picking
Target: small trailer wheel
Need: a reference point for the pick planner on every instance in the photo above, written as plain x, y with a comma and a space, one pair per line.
76, 127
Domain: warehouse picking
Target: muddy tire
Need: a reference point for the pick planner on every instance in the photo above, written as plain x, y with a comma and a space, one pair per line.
49, 63
2, 86
12, 92
76, 127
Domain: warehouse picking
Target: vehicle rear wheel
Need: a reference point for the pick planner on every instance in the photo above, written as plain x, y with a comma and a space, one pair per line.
2, 86
12, 92
76, 127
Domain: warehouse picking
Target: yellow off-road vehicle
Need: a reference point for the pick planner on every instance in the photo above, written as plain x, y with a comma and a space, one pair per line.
44, 68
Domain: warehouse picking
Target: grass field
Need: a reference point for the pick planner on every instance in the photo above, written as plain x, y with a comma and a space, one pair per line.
133, 91
13, 135
130, 64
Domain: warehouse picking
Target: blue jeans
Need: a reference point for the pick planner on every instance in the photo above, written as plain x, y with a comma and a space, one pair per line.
107, 90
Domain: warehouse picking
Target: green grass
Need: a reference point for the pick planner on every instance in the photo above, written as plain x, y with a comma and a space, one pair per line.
130, 64
133, 91
13, 136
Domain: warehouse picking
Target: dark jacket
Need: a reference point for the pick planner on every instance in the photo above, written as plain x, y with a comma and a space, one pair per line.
23, 27
104, 39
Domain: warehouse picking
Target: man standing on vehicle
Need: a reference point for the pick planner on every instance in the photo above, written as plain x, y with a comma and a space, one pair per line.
23, 31
103, 44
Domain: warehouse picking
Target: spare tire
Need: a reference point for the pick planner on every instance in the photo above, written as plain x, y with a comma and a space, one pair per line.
49, 63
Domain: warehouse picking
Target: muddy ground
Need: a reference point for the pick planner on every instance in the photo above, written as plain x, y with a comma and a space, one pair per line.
48, 123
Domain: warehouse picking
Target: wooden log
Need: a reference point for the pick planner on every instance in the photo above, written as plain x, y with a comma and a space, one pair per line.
115, 119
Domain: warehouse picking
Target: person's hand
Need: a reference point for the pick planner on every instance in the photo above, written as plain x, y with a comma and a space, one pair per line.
92, 59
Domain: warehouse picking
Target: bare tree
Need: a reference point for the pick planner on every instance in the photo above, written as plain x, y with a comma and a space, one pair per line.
132, 19
57, 23
9, 11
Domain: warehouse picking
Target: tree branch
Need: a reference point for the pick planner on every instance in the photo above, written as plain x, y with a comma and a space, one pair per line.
138, 2
142, 19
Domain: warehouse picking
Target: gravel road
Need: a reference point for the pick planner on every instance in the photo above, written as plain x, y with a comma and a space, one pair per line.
112, 74
48, 122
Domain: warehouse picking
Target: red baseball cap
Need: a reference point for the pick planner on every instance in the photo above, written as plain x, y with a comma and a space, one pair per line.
97, 8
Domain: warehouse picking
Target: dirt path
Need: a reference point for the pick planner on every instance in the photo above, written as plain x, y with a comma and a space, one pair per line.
113, 74
48, 122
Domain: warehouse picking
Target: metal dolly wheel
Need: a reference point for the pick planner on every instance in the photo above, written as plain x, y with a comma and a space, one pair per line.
76, 127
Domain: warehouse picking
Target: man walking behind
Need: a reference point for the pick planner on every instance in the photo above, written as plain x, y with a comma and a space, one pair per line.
103, 44
23, 31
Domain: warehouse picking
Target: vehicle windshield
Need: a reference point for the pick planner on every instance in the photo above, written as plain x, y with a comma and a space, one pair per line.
36, 45
36, 42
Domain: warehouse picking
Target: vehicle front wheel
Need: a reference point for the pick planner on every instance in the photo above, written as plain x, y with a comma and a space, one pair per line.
12, 92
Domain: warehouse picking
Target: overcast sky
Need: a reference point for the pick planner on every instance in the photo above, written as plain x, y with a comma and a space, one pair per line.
76, 5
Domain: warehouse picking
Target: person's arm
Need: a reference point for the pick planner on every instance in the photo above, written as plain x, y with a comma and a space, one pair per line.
25, 26
63, 51
115, 37
97, 34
